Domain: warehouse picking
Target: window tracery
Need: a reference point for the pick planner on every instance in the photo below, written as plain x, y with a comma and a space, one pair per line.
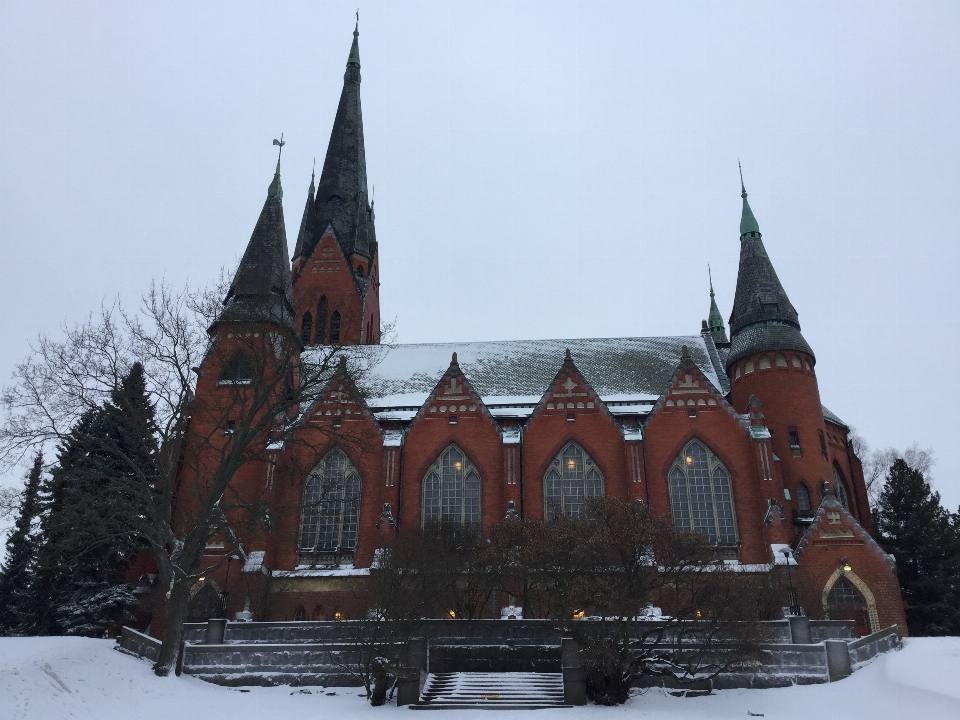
331, 509
451, 490
700, 495
570, 479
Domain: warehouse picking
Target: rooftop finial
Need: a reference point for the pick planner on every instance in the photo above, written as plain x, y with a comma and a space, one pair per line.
710, 275
275, 188
748, 223
743, 190
352, 73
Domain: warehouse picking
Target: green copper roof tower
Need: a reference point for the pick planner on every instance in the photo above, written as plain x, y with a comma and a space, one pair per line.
763, 317
715, 319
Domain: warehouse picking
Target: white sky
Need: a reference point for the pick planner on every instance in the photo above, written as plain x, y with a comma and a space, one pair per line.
541, 169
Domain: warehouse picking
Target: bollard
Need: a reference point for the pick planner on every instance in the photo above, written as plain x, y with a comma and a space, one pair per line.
574, 676
838, 659
799, 629
416, 665
216, 629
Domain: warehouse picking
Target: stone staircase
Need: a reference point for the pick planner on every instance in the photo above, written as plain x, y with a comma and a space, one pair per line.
492, 691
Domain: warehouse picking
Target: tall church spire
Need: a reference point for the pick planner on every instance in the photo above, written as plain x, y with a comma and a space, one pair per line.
715, 319
341, 195
262, 290
763, 317
306, 224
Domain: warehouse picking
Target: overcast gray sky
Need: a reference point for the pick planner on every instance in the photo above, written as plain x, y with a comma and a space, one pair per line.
542, 170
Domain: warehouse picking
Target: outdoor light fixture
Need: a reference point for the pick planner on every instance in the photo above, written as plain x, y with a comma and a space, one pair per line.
452, 613
578, 614
844, 565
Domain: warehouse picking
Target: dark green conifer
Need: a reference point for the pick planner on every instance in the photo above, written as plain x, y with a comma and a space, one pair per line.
925, 540
16, 575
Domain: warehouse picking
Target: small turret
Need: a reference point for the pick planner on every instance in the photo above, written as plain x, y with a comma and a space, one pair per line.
715, 319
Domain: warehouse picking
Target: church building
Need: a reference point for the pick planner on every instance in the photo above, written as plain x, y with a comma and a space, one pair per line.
720, 428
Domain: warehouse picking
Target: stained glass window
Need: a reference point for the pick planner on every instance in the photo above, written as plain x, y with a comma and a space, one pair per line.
331, 506
451, 490
700, 496
571, 478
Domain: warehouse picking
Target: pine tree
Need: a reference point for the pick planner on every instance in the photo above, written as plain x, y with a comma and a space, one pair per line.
925, 540
89, 540
16, 575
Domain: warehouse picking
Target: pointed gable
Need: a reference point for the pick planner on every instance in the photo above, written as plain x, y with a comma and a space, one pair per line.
454, 399
834, 526
569, 394
341, 401
689, 390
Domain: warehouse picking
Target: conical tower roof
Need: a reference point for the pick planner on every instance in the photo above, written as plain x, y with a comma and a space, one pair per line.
763, 317
304, 237
715, 319
262, 290
342, 195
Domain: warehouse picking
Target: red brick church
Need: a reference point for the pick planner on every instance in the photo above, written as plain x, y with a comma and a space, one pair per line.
725, 434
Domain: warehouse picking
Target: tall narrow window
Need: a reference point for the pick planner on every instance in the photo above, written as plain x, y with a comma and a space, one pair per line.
840, 489
700, 495
331, 507
322, 321
803, 498
794, 442
335, 328
306, 328
451, 490
571, 478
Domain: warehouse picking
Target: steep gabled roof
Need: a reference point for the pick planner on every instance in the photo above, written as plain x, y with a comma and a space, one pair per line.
262, 290
341, 198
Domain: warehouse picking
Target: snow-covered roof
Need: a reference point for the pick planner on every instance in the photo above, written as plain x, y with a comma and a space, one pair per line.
511, 376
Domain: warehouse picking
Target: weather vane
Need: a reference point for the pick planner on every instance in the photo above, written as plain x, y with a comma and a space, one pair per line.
281, 143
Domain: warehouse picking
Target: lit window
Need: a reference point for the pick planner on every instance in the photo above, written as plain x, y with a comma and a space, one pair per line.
451, 490
571, 478
700, 495
331, 508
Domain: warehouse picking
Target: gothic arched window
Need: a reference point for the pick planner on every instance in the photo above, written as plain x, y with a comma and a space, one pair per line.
451, 490
841, 490
335, 328
700, 496
331, 508
306, 329
571, 478
322, 321
803, 497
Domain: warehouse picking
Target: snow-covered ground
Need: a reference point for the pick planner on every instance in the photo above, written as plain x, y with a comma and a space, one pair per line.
53, 678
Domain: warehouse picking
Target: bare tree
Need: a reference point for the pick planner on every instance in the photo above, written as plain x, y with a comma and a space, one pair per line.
258, 383
877, 463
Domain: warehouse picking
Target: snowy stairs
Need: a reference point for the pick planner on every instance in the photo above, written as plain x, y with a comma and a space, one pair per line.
491, 691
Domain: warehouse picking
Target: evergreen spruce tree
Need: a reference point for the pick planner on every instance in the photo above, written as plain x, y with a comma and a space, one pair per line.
16, 575
925, 539
89, 539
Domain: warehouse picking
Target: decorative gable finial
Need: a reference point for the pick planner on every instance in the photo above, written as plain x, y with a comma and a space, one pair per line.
684, 353
453, 360
567, 357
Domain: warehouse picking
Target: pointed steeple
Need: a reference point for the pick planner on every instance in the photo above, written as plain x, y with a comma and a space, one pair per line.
715, 319
748, 223
341, 196
763, 317
262, 290
306, 224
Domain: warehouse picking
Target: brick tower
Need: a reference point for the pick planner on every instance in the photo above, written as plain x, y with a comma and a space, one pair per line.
336, 277
769, 359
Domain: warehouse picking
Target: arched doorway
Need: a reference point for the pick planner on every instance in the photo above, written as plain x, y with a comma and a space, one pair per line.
847, 597
206, 601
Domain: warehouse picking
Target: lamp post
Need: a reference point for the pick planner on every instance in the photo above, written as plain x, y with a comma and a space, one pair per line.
795, 608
